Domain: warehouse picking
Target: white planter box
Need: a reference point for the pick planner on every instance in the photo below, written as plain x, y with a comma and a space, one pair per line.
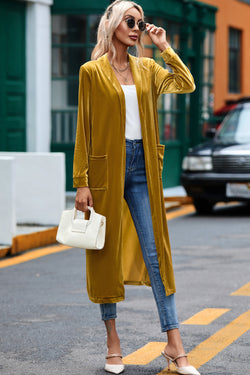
7, 200
39, 186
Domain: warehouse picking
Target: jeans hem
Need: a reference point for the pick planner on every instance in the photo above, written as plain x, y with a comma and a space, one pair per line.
109, 317
168, 328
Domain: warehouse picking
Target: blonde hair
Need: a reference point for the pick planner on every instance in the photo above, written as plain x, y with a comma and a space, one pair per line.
107, 26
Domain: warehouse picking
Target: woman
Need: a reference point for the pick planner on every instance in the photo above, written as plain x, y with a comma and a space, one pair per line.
117, 168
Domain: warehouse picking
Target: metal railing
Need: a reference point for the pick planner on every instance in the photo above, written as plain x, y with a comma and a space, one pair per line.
64, 126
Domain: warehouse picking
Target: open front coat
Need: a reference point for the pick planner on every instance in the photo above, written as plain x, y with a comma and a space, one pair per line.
99, 163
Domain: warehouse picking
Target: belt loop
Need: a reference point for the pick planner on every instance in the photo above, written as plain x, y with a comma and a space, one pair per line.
133, 142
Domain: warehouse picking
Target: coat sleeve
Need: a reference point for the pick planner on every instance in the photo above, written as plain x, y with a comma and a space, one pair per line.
82, 142
180, 81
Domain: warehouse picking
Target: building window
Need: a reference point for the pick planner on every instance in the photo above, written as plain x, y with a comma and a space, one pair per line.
167, 105
234, 60
245, 1
208, 80
73, 38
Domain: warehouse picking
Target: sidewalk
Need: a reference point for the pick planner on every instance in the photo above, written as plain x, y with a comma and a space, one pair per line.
33, 236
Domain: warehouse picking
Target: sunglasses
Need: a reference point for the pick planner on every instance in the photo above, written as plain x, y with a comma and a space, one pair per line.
131, 24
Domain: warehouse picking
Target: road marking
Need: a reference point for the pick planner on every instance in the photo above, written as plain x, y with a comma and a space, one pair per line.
38, 253
209, 348
205, 316
145, 355
185, 210
203, 352
243, 291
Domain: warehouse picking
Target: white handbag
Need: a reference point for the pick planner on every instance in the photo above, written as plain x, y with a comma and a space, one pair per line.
86, 234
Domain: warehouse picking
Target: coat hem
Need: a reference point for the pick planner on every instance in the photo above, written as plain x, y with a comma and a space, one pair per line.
136, 283
107, 299
122, 298
170, 291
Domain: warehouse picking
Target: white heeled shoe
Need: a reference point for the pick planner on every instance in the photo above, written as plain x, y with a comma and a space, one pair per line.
187, 370
114, 369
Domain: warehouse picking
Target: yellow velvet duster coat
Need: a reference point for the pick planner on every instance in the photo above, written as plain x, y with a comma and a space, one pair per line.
99, 163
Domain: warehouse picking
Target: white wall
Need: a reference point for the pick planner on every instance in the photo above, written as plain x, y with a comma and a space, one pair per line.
38, 73
39, 186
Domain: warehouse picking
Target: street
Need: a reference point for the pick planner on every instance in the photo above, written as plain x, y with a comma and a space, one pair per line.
48, 325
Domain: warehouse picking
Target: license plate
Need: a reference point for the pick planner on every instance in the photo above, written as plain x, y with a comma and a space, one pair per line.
238, 190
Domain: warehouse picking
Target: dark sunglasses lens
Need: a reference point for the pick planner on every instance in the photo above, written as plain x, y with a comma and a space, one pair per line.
130, 23
142, 25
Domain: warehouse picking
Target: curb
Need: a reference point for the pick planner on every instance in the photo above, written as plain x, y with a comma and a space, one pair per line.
4, 251
24, 242
179, 200
172, 203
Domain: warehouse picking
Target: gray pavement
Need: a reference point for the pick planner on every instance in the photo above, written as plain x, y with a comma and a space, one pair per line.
48, 325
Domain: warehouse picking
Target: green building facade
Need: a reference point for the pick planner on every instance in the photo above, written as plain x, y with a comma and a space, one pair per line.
38, 106
190, 27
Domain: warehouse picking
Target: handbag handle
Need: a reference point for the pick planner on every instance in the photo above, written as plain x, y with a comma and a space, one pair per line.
80, 225
91, 209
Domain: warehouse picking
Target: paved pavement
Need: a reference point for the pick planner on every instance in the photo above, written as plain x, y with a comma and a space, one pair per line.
48, 326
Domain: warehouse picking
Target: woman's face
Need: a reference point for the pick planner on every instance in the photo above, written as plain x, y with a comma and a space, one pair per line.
123, 33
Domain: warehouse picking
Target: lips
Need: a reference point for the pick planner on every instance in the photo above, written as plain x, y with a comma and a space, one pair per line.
133, 37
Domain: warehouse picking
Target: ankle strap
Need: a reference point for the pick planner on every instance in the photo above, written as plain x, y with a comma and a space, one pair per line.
113, 356
179, 356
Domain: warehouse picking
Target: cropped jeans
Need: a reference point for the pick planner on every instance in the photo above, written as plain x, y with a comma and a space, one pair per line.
137, 198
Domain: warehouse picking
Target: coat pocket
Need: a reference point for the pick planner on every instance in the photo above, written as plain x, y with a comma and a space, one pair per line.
98, 172
160, 151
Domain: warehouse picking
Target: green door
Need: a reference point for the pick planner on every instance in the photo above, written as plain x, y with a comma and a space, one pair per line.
12, 76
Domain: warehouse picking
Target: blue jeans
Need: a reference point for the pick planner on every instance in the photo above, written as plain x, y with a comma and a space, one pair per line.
137, 198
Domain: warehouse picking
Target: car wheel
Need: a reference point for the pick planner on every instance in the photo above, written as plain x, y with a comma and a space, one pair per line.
203, 206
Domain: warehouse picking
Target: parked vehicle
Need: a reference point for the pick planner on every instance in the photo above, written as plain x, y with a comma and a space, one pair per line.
220, 113
219, 169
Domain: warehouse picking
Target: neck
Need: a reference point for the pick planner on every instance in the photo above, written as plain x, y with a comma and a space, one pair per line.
121, 57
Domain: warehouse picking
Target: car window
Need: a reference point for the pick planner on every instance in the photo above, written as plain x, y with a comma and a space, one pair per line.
236, 127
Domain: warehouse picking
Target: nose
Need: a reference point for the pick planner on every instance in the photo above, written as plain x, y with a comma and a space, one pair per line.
136, 27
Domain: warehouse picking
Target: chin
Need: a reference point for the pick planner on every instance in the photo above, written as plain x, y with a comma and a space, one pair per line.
132, 43
129, 44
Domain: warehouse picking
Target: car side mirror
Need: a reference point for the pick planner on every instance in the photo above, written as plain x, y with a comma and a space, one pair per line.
210, 133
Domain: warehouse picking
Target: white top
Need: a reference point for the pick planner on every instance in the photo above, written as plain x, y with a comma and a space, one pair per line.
133, 123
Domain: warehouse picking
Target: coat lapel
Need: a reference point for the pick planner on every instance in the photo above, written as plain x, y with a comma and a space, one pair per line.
137, 77
136, 72
108, 71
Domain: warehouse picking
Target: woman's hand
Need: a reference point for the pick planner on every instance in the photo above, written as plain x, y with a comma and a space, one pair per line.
158, 36
83, 199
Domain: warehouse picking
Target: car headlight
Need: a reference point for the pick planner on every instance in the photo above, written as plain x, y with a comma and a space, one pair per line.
197, 163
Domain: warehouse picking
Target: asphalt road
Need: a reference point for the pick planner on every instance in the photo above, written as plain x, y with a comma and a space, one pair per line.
48, 325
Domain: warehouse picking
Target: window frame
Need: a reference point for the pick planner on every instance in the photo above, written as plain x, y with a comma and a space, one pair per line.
64, 119
167, 106
234, 75
207, 84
